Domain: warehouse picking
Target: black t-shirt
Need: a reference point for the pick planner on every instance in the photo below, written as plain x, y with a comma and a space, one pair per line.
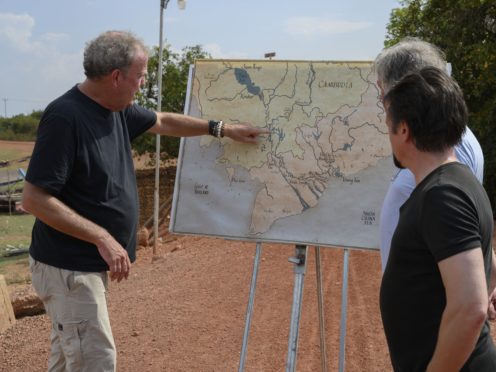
82, 156
447, 213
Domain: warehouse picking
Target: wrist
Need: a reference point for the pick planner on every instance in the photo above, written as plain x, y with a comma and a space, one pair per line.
102, 237
212, 124
216, 128
226, 131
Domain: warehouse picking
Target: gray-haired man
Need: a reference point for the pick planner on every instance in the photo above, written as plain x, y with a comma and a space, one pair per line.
81, 187
411, 55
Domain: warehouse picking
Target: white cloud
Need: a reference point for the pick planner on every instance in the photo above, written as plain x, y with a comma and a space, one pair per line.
310, 26
17, 31
216, 52
53, 38
42, 70
64, 68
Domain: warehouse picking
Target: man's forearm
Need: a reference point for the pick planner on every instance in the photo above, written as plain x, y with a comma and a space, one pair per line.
177, 125
458, 334
59, 216
492, 279
465, 311
491, 311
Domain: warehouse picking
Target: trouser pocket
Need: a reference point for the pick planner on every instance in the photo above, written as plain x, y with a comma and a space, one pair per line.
67, 337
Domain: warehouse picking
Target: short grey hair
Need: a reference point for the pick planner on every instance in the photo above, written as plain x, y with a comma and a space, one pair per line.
408, 56
109, 51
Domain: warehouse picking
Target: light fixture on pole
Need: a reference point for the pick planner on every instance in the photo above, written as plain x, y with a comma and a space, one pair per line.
181, 4
270, 55
5, 105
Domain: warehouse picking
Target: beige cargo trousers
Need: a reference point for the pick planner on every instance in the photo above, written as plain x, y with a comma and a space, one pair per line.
81, 338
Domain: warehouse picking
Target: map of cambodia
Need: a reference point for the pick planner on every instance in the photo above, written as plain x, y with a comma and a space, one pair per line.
327, 157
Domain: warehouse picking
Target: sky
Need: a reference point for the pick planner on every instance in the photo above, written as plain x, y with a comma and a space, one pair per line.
42, 41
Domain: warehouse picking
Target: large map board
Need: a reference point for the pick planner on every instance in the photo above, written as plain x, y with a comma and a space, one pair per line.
318, 178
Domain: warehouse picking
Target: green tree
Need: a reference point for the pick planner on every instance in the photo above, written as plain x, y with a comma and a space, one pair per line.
20, 127
466, 31
175, 67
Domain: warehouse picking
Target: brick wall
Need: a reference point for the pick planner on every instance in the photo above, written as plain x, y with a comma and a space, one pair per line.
145, 179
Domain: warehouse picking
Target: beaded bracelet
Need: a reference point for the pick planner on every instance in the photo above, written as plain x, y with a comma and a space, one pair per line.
221, 132
216, 128
212, 125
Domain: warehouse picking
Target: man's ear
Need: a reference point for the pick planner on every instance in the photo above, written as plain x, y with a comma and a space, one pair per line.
404, 131
116, 75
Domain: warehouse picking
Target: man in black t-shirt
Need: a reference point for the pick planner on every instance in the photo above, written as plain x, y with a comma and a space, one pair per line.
434, 292
81, 187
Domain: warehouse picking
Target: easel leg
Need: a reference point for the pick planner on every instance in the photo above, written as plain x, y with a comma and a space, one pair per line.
344, 310
299, 270
249, 309
320, 298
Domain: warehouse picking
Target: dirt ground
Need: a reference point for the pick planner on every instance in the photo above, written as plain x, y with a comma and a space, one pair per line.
184, 310
22, 148
25, 148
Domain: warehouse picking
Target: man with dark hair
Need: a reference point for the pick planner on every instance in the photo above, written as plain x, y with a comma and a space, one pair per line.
434, 291
81, 187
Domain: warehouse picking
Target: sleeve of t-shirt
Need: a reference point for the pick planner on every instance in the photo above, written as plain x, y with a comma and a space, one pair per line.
449, 222
53, 155
138, 120
469, 152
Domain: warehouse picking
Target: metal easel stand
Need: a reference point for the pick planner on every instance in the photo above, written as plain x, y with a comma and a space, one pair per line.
300, 261
320, 299
344, 310
249, 309
299, 270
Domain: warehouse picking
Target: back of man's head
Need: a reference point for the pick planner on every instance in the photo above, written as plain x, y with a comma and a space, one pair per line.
409, 55
431, 103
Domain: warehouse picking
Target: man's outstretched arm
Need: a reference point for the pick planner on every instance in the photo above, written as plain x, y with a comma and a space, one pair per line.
178, 125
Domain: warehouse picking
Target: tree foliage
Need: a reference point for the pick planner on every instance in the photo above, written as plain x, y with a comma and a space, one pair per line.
466, 31
175, 68
20, 127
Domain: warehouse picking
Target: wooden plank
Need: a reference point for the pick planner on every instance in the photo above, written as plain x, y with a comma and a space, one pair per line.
7, 317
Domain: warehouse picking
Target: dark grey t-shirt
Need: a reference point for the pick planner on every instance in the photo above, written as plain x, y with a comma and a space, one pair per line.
447, 213
82, 156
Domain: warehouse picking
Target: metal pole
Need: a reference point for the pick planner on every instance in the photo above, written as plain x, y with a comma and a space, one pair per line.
299, 270
249, 309
344, 310
320, 298
156, 198
9, 190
